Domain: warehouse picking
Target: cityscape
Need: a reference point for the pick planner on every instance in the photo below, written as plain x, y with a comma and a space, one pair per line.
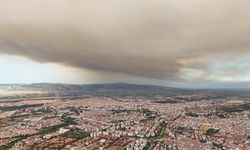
124, 74
195, 120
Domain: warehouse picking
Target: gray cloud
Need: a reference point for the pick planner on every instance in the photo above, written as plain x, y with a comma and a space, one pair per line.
148, 38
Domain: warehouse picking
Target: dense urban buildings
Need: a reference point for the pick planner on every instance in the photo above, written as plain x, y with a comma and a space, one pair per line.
195, 122
124, 75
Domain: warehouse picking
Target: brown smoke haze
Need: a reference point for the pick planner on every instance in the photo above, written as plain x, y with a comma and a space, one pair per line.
159, 39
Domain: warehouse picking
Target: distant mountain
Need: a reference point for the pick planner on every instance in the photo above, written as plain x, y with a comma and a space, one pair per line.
88, 87
110, 89
123, 86
117, 90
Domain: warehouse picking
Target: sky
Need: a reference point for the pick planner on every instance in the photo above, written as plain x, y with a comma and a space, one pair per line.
165, 42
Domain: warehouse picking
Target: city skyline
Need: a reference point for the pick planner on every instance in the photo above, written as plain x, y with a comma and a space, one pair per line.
124, 75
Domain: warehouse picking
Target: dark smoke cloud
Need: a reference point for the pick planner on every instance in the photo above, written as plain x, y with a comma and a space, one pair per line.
148, 38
